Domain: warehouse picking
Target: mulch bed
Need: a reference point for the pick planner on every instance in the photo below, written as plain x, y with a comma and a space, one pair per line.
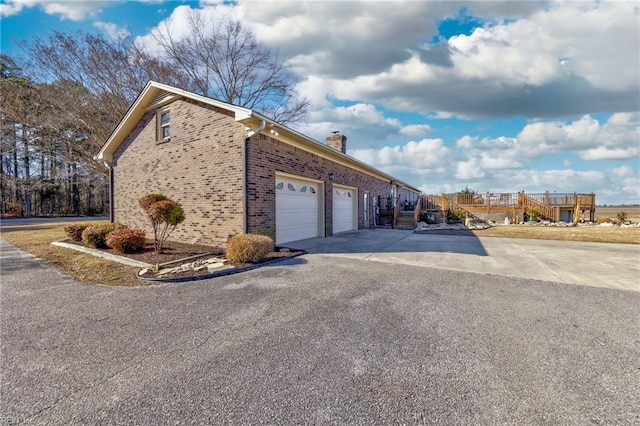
174, 254
171, 251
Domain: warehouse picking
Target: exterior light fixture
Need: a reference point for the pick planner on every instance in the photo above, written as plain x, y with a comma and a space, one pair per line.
332, 176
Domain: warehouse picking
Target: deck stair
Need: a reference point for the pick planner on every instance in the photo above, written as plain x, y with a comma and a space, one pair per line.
405, 220
545, 212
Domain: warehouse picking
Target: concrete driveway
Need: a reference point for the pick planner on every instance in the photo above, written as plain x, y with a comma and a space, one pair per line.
594, 264
317, 339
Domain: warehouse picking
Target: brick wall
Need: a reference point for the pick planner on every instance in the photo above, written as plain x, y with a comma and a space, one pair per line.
266, 156
200, 167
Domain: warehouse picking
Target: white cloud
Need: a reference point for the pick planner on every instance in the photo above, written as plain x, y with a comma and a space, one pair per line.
544, 59
466, 142
415, 129
113, 31
616, 139
420, 158
604, 153
178, 24
569, 58
363, 124
470, 169
72, 10
623, 172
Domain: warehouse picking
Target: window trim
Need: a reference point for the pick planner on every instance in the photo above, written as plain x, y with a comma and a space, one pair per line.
160, 126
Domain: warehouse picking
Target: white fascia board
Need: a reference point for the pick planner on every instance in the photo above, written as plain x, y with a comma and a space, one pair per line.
299, 140
138, 108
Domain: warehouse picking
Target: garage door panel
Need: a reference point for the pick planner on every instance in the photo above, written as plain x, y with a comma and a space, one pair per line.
344, 209
296, 209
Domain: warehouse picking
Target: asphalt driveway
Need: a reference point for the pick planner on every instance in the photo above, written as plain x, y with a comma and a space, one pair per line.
317, 339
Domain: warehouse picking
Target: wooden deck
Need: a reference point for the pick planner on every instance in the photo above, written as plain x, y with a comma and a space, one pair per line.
551, 206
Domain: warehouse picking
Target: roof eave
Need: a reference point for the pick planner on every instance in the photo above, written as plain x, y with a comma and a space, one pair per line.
285, 133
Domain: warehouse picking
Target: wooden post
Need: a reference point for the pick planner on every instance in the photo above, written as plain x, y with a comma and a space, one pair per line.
488, 202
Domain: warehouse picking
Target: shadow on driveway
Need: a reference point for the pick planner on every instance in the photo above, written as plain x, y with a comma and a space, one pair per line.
392, 241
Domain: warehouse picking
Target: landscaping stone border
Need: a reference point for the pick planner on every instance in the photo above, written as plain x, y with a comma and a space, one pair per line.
221, 273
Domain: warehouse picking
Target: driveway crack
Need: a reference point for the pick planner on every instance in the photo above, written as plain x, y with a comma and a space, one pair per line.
534, 259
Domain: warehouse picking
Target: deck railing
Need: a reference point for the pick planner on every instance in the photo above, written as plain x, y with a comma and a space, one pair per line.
547, 203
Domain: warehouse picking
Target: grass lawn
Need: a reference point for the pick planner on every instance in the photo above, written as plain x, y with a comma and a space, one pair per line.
36, 239
599, 234
85, 267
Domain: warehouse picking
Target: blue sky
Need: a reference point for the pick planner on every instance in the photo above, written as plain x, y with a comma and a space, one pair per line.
497, 96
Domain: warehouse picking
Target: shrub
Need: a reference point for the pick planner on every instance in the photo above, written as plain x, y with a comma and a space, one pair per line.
248, 248
622, 218
75, 231
126, 240
533, 213
164, 214
458, 213
95, 236
146, 201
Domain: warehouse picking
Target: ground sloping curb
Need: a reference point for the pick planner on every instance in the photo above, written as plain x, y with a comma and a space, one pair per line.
222, 273
109, 256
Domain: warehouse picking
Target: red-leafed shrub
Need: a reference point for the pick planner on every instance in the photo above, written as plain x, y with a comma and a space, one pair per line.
75, 231
126, 240
164, 214
248, 248
96, 236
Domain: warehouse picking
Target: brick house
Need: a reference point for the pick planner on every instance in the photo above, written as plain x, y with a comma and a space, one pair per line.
235, 171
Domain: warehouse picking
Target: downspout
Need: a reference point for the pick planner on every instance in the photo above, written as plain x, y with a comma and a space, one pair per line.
245, 171
111, 197
107, 160
245, 214
261, 126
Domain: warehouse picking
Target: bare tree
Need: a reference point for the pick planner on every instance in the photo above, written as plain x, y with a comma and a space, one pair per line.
224, 60
96, 79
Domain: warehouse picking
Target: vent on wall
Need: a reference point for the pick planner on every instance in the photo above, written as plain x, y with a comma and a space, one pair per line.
159, 98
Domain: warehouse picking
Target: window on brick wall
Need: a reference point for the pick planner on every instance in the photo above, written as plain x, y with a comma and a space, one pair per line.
164, 125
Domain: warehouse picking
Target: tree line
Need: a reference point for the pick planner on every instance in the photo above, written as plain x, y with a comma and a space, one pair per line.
61, 99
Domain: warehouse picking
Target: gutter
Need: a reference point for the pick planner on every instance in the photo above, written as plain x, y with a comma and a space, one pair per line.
261, 126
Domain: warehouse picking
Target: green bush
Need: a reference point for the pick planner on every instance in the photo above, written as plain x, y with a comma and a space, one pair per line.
248, 248
458, 213
75, 231
533, 213
126, 240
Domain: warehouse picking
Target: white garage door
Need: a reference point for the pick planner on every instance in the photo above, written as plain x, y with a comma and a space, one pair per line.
344, 209
296, 209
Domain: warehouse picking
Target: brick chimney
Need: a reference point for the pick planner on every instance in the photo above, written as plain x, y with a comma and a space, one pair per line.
337, 141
